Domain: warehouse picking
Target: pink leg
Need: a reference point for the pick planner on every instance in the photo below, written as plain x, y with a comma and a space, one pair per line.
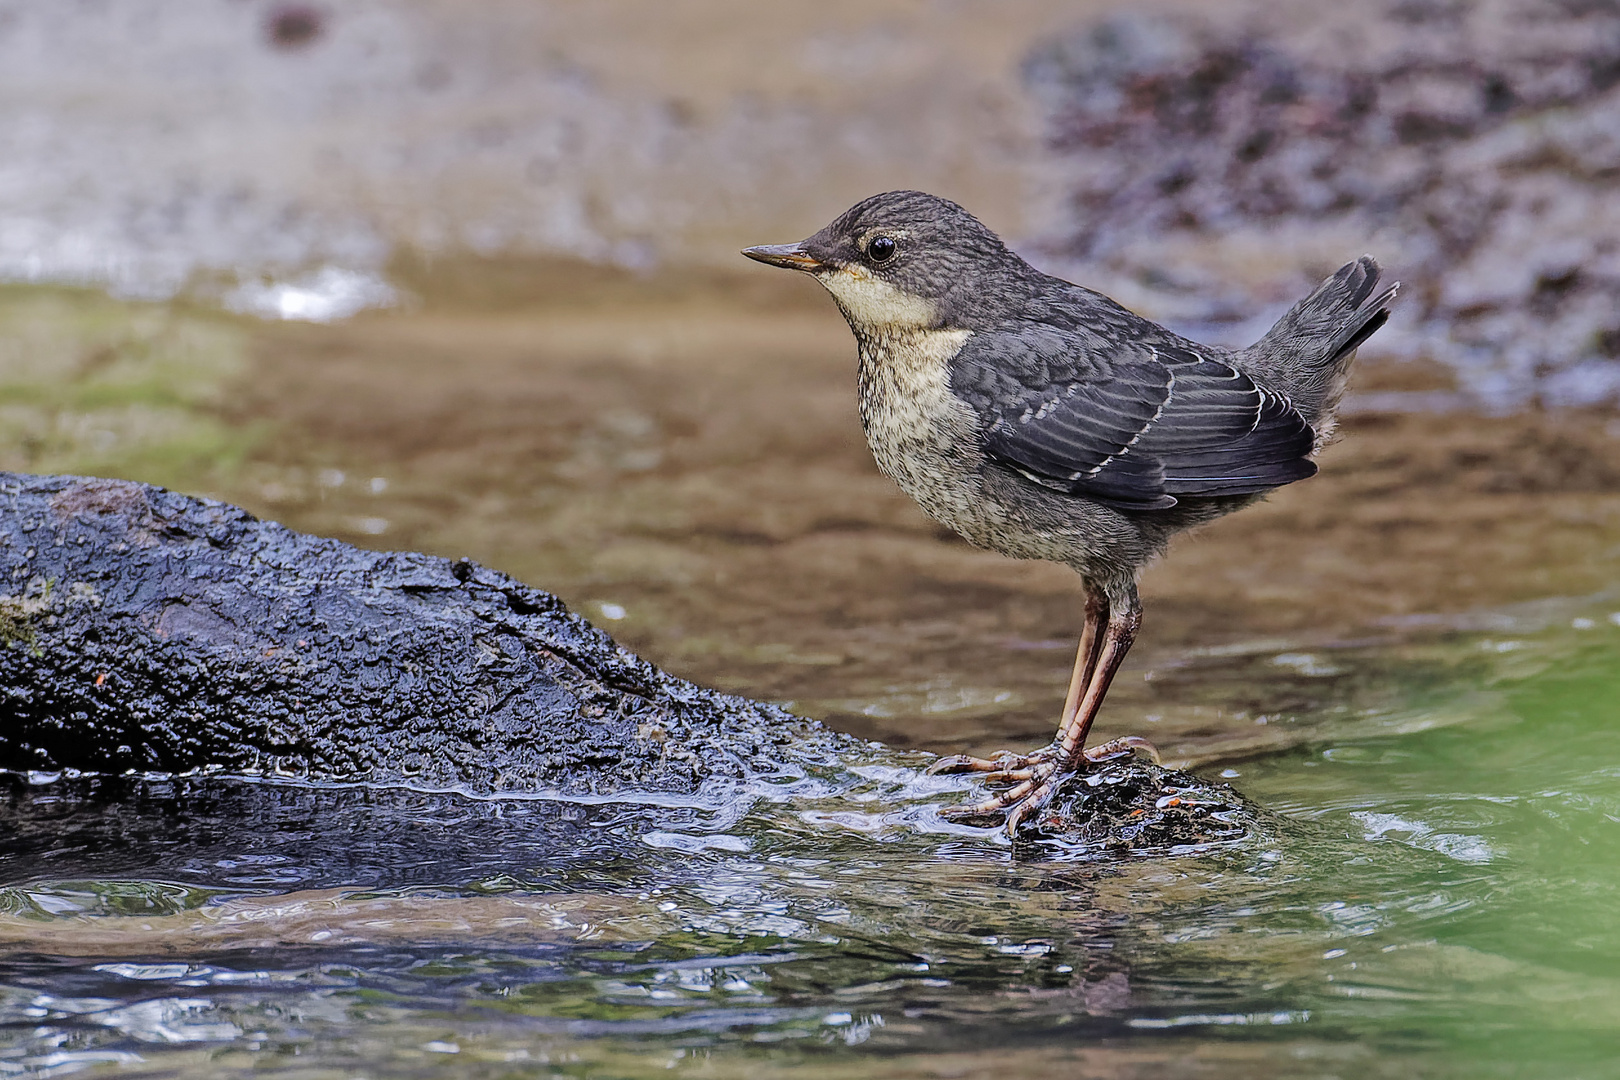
1007, 766
1037, 780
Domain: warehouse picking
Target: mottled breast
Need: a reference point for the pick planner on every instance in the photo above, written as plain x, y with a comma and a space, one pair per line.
923, 436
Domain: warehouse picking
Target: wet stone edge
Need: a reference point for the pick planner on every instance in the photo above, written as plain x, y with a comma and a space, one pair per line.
146, 631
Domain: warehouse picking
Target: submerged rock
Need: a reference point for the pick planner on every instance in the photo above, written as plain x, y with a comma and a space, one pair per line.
148, 632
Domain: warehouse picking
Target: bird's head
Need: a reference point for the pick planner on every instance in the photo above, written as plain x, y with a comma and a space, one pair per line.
905, 260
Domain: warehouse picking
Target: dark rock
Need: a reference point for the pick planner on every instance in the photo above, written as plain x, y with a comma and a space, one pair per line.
149, 631
1133, 807
184, 641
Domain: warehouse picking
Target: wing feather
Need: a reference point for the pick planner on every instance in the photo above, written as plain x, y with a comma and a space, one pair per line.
1132, 424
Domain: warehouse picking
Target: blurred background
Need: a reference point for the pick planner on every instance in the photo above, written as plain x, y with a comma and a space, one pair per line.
463, 278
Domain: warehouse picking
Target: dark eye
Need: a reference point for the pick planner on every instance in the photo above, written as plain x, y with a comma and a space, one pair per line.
881, 249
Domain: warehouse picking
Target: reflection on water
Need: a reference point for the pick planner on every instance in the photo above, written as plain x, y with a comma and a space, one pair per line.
1424, 898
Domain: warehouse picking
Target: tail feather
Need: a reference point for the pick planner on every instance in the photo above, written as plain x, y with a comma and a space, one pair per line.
1307, 354
1368, 328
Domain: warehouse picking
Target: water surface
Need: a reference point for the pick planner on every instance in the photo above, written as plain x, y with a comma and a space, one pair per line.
1431, 892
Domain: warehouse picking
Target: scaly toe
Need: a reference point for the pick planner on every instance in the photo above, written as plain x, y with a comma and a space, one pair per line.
989, 807
1031, 804
1008, 776
960, 763
1004, 762
1124, 746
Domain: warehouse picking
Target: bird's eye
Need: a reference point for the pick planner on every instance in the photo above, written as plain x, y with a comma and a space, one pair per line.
880, 250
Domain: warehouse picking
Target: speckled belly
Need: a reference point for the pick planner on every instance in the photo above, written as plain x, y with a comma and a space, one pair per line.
928, 441
922, 436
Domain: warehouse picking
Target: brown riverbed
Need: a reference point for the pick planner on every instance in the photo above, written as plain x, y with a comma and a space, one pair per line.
678, 457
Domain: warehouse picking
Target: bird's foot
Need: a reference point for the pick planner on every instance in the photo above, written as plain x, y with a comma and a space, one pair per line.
1003, 767
1007, 767
1034, 777
1026, 797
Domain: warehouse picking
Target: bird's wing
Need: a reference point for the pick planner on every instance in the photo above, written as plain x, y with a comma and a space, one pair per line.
1133, 425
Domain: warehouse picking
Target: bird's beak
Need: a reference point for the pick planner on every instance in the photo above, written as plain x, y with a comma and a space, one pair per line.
791, 256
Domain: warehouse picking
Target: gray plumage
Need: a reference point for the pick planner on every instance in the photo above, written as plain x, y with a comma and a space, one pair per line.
1096, 433
1043, 420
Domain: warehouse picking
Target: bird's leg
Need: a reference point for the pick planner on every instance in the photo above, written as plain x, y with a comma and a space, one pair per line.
1085, 661
1125, 618
1008, 766
1037, 781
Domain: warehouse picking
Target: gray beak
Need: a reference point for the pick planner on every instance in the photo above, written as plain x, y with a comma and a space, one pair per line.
791, 256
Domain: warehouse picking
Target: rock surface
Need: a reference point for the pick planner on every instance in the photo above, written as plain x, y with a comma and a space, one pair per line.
150, 631
146, 632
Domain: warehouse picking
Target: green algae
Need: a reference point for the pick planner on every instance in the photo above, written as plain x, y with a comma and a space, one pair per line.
93, 384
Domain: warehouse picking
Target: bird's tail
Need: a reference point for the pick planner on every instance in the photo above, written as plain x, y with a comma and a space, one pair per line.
1307, 354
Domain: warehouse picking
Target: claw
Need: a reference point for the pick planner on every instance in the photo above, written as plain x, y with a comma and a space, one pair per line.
1016, 816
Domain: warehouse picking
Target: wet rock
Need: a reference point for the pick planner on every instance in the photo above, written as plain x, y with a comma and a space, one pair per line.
146, 632
1134, 807
1473, 147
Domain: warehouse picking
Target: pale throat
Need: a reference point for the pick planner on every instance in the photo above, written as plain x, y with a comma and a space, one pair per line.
875, 308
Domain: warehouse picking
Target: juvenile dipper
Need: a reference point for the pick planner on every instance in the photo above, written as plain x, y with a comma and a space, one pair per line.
1042, 420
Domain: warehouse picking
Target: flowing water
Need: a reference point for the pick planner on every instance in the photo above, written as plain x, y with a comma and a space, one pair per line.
1431, 892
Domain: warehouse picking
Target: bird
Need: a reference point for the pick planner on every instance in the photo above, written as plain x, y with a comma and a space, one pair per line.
1043, 420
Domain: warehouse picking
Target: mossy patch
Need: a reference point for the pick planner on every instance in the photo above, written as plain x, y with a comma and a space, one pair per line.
93, 384
17, 615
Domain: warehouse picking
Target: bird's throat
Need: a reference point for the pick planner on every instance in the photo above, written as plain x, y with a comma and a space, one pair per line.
874, 307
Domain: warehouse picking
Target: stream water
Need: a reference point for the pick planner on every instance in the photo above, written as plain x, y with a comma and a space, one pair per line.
1431, 893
